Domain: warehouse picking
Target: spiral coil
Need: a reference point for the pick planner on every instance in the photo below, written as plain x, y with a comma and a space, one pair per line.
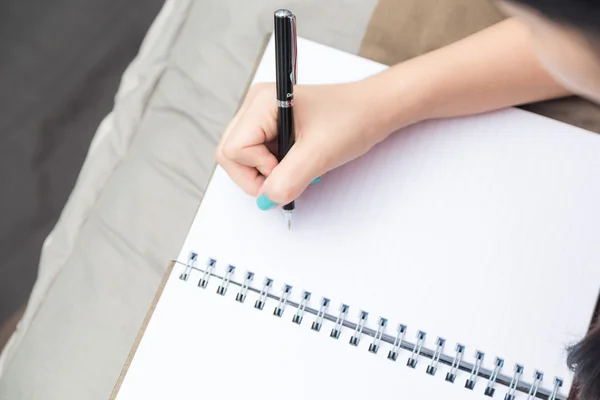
436, 356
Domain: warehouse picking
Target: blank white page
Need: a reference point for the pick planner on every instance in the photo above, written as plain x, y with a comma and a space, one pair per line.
480, 230
203, 346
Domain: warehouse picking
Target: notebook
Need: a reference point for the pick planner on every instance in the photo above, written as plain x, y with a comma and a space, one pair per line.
457, 260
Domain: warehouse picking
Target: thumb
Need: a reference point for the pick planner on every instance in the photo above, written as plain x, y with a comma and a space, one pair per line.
298, 169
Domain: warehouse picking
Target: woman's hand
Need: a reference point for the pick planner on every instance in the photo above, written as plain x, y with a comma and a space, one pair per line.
334, 124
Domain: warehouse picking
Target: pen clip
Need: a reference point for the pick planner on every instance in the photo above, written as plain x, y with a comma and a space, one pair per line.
294, 41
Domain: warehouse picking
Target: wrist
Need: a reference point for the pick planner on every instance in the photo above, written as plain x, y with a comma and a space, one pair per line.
395, 98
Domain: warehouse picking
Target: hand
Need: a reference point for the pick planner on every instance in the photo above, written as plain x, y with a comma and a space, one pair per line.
334, 124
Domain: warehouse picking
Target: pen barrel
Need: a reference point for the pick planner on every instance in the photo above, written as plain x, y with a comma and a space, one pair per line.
285, 129
285, 42
286, 138
285, 67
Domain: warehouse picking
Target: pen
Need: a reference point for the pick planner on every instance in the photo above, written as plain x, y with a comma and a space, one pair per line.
286, 75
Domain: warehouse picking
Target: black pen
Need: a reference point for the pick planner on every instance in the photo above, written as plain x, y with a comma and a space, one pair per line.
286, 75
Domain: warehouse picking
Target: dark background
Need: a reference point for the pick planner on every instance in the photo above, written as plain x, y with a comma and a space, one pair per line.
60, 66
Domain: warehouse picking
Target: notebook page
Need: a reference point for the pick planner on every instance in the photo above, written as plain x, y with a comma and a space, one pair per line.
200, 345
479, 230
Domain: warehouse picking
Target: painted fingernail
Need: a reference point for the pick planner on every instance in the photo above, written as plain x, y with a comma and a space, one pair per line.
316, 180
264, 203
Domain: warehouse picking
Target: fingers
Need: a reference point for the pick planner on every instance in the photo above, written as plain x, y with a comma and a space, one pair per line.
291, 177
247, 178
257, 121
242, 151
245, 153
257, 156
255, 127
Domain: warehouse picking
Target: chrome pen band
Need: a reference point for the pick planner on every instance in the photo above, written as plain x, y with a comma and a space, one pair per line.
285, 104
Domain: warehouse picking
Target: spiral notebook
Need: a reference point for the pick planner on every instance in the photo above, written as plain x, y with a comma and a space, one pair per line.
456, 260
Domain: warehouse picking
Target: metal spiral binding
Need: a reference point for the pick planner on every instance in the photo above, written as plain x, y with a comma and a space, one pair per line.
538, 376
241, 296
514, 382
374, 346
451, 376
401, 331
316, 326
355, 339
189, 266
297, 319
439, 348
412, 360
557, 384
470, 383
278, 311
210, 266
337, 329
498, 364
222, 289
397, 341
260, 303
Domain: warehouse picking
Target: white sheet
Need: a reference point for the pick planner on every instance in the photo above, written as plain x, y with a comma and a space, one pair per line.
233, 351
467, 229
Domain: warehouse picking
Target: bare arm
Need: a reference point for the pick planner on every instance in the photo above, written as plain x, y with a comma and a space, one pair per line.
491, 69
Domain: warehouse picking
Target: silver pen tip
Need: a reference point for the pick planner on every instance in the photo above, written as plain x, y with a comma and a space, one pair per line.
288, 218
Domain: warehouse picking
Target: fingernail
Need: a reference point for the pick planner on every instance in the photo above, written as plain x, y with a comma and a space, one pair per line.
264, 203
316, 180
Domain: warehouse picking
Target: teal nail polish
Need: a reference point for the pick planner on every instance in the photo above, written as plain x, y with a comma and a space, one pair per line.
264, 203
316, 180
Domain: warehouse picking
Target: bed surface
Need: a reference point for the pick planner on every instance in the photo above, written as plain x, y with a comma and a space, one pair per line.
151, 158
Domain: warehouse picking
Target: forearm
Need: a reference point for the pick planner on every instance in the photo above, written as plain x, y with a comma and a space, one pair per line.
491, 69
